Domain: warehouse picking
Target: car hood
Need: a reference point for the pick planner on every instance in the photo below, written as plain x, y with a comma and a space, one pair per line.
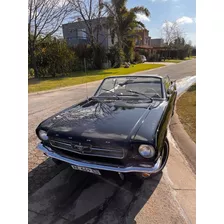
116, 121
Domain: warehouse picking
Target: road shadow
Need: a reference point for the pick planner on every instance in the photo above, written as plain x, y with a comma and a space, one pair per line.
79, 197
43, 173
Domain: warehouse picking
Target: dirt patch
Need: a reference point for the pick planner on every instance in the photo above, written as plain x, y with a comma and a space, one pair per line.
186, 110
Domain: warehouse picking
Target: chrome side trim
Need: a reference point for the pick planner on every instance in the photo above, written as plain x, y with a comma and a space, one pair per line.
156, 168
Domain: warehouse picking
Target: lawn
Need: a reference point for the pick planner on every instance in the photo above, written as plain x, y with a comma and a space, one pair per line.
174, 60
80, 77
178, 61
186, 110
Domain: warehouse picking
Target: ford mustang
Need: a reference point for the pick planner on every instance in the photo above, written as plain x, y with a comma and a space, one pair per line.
122, 128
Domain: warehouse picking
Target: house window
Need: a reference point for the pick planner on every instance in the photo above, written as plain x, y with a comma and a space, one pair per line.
82, 34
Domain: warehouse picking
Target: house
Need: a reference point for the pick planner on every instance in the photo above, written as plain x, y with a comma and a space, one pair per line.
147, 43
77, 32
157, 42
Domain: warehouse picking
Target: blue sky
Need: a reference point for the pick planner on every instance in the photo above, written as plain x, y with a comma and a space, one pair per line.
170, 10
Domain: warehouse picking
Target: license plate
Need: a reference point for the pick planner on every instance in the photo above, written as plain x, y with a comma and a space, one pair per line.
85, 169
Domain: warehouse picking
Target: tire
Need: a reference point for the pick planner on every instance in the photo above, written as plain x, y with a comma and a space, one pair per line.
165, 156
57, 162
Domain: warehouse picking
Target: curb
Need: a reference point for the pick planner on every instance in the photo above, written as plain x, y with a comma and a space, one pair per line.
185, 143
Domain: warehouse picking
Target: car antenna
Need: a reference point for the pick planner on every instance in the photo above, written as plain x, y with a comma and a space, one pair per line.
86, 80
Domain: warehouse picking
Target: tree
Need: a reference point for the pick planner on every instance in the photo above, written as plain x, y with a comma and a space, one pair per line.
91, 13
170, 32
194, 51
44, 19
123, 24
180, 49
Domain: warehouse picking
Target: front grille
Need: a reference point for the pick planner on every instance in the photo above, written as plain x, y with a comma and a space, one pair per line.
88, 149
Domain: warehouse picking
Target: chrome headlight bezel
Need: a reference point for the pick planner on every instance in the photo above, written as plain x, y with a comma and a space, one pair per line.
42, 135
146, 151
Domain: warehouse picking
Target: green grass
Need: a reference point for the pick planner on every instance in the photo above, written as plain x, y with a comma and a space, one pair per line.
174, 61
80, 77
178, 61
186, 110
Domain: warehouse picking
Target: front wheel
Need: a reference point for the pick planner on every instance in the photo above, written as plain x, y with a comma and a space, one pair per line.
57, 162
165, 155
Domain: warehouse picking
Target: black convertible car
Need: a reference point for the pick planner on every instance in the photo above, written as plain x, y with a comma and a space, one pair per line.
122, 128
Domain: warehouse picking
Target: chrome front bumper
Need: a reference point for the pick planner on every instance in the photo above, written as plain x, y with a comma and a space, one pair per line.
140, 169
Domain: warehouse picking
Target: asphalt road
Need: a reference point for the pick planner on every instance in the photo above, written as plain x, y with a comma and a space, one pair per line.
68, 186
83, 198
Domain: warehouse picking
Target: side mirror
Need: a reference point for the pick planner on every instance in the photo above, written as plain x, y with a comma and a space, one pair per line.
169, 92
173, 82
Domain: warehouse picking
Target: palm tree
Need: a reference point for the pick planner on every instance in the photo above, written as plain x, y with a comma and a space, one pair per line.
123, 23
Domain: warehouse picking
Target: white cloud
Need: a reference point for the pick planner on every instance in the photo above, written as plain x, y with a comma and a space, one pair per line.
142, 17
180, 21
168, 23
184, 20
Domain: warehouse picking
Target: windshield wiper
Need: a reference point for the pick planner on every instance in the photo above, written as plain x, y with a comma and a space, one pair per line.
132, 91
111, 92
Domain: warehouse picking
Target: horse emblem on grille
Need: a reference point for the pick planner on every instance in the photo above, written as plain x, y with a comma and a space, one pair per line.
82, 148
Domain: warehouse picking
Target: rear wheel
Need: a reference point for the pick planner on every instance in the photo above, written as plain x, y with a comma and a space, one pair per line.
165, 155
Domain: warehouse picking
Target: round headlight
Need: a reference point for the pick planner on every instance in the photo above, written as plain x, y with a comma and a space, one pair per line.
43, 135
146, 151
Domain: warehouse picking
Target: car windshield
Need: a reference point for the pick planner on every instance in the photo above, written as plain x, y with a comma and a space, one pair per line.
141, 87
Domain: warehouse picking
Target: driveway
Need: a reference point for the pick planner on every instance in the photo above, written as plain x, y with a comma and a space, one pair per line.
83, 198
72, 184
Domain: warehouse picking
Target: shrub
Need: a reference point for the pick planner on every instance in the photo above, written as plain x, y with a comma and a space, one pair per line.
83, 51
54, 56
31, 73
138, 58
154, 58
99, 56
144, 52
95, 57
116, 56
